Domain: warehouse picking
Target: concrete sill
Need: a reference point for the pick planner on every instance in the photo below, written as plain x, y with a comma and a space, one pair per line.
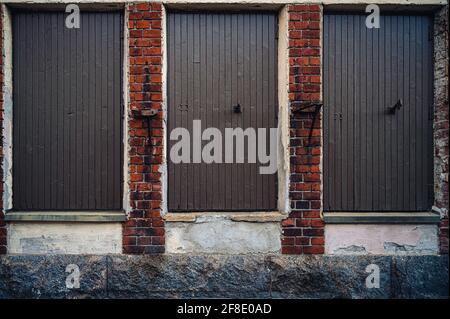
381, 218
66, 216
256, 217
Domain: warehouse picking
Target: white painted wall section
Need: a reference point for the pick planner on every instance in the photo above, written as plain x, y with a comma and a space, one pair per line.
7, 108
222, 236
64, 238
377, 239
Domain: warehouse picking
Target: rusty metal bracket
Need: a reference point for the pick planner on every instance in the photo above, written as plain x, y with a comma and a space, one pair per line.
147, 114
317, 109
144, 113
306, 107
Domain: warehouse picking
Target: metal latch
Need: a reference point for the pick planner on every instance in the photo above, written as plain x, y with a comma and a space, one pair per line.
396, 107
237, 108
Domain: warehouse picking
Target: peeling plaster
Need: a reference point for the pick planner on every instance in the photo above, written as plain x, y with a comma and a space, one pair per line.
64, 238
217, 235
381, 239
283, 161
126, 147
397, 249
7, 108
352, 250
443, 212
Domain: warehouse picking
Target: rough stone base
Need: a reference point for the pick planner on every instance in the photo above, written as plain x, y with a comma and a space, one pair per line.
237, 276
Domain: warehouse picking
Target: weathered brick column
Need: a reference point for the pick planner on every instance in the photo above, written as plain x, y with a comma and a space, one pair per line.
2, 212
441, 126
143, 233
303, 231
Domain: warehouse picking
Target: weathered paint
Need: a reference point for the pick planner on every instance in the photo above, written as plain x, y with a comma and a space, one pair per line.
163, 166
377, 239
219, 235
126, 89
64, 238
283, 112
7, 108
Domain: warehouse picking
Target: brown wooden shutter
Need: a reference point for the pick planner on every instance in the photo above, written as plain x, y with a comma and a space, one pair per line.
215, 62
67, 127
375, 160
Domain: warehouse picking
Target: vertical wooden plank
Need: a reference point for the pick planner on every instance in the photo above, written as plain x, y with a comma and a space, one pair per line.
326, 115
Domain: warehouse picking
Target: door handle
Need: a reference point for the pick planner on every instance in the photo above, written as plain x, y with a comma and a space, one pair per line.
396, 107
237, 108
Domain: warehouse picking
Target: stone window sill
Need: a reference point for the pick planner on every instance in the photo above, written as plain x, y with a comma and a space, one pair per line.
256, 217
381, 218
66, 216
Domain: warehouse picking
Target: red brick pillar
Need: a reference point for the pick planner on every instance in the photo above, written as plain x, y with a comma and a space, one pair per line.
2, 212
143, 233
303, 231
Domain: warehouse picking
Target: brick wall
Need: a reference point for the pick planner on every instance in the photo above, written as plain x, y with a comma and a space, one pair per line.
143, 233
441, 126
303, 231
2, 213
